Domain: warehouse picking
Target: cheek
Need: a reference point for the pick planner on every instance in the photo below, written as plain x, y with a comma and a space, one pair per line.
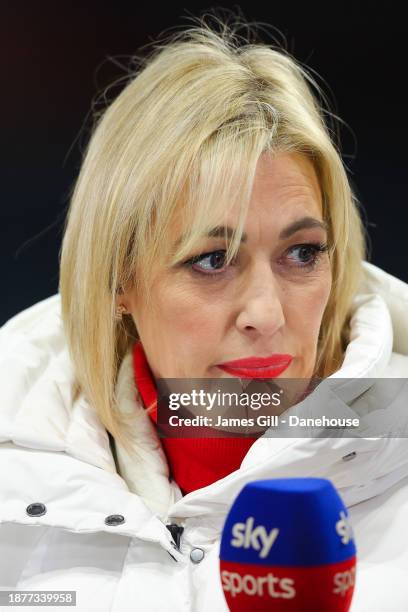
191, 319
307, 308
192, 325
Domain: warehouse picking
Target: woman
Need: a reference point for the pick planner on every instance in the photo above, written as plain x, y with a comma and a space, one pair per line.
212, 221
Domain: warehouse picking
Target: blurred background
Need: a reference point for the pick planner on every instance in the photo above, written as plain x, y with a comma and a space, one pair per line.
59, 57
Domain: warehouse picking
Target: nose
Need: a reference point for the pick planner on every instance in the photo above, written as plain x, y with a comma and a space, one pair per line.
261, 310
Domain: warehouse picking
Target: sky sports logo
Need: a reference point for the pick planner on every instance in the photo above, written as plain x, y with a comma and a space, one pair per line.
258, 538
235, 584
246, 535
284, 587
344, 529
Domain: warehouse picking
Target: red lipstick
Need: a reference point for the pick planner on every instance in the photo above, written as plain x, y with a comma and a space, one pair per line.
257, 367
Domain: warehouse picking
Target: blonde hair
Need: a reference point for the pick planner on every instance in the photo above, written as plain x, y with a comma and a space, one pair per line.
188, 128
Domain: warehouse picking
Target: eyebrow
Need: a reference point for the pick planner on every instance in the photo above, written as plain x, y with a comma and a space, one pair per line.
292, 228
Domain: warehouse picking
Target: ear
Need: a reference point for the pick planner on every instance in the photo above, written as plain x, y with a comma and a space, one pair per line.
122, 298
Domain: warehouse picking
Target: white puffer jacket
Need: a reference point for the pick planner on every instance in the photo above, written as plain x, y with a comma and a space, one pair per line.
57, 453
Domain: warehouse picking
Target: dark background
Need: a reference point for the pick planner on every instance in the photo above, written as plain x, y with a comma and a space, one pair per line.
56, 58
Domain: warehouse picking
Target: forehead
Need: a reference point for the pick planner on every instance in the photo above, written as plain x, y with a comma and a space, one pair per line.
286, 177
285, 187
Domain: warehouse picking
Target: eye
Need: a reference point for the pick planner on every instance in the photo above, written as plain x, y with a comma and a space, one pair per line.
211, 264
308, 255
207, 263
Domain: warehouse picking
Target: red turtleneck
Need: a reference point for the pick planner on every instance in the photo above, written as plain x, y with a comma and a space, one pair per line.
193, 462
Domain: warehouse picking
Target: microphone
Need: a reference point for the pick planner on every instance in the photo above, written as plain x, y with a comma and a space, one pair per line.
287, 545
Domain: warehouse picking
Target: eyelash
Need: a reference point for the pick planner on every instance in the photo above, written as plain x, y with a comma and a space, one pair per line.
318, 249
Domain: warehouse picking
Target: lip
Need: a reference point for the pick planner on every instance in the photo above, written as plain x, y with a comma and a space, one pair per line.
257, 367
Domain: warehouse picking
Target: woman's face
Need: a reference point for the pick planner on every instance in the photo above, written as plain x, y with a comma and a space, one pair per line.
269, 300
